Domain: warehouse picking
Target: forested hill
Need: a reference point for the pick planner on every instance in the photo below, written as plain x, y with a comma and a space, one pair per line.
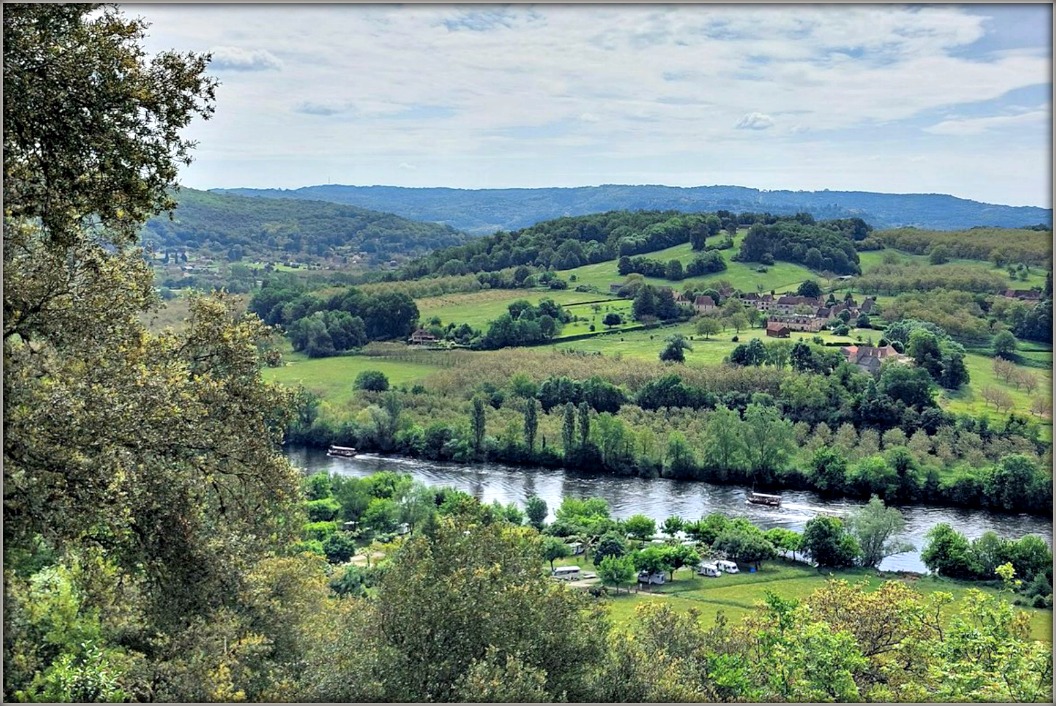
270, 228
483, 211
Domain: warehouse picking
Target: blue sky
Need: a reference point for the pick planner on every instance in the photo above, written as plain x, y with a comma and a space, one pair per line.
900, 99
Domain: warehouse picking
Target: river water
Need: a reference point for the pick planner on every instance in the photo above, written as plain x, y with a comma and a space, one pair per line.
660, 498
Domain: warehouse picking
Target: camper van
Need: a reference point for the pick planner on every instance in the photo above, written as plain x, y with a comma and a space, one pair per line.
727, 566
566, 573
709, 570
646, 577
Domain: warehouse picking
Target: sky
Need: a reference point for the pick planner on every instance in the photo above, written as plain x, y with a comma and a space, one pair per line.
953, 99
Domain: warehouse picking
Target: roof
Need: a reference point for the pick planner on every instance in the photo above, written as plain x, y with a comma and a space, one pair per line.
775, 326
704, 300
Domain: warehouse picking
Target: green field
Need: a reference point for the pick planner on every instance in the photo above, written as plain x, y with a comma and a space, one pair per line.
780, 276
478, 308
333, 378
980, 367
738, 595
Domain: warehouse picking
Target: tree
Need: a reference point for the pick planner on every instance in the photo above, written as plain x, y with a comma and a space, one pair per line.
828, 543
555, 548
682, 555
829, 470
745, 544
568, 430
768, 439
675, 349
609, 545
584, 424
616, 571
612, 319
939, 255
652, 560
708, 326
531, 422
673, 525
372, 381
536, 510
144, 466
876, 528
1008, 485
478, 422
809, 288
640, 527
1004, 345
948, 553
724, 446
785, 540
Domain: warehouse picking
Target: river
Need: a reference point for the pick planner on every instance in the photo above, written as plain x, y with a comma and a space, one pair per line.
660, 498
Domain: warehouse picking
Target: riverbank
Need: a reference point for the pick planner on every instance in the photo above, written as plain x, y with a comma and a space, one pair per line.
738, 595
661, 498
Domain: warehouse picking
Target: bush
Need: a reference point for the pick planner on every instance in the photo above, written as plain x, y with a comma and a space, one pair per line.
339, 548
735, 339
372, 380
323, 510
319, 531
1040, 602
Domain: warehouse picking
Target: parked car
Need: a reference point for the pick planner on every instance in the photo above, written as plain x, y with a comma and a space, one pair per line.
647, 578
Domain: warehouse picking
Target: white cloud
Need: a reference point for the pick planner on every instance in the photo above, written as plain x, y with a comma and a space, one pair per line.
976, 126
755, 121
626, 83
238, 59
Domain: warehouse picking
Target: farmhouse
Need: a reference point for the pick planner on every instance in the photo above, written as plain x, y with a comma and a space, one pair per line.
787, 304
799, 322
704, 304
421, 336
776, 329
869, 358
760, 302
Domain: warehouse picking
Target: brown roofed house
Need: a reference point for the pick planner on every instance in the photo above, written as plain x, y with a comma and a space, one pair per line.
776, 329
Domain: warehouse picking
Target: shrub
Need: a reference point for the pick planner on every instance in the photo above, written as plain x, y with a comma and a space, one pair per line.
372, 380
319, 531
323, 510
339, 548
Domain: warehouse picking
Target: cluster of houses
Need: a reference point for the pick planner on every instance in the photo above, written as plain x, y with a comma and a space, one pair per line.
788, 313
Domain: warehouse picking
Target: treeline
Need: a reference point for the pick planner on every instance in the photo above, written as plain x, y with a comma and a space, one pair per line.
822, 246
1001, 246
570, 242
900, 278
700, 265
343, 321
907, 449
949, 553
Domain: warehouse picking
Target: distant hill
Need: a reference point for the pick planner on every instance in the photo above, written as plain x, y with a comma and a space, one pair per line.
269, 229
484, 211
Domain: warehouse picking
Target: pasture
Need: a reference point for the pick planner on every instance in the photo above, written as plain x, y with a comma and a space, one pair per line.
738, 595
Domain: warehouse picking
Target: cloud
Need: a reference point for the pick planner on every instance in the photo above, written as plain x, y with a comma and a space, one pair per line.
238, 59
977, 126
407, 166
755, 121
324, 109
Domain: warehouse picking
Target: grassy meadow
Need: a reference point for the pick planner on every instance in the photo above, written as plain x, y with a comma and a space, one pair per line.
738, 595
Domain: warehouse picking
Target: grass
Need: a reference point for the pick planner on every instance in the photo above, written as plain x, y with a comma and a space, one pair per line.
738, 595
969, 399
741, 275
333, 378
478, 308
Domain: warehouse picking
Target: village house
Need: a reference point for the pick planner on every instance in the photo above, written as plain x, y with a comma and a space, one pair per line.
869, 358
787, 304
760, 302
799, 322
421, 337
704, 304
776, 329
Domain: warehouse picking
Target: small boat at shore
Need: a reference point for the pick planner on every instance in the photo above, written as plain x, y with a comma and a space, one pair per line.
341, 451
755, 498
